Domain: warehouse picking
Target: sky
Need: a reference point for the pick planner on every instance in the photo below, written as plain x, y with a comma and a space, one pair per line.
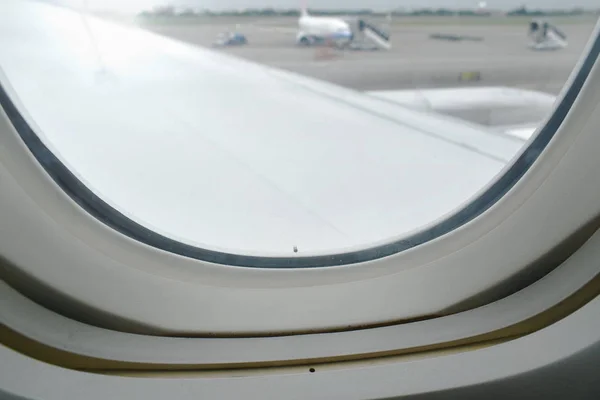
138, 5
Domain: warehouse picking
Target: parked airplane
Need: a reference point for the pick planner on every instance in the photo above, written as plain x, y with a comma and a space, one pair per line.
340, 31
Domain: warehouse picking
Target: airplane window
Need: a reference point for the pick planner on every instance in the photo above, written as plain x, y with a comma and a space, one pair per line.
265, 134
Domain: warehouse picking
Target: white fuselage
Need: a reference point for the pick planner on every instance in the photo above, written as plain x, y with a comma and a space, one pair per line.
323, 28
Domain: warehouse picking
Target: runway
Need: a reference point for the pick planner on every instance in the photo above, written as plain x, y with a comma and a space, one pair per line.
415, 61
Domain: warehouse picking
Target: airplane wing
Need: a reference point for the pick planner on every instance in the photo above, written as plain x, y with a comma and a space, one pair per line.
230, 155
515, 112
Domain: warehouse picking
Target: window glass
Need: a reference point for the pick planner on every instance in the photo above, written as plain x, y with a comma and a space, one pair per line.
264, 128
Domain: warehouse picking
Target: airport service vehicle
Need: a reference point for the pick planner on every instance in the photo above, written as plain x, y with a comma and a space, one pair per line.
341, 32
546, 36
231, 39
318, 243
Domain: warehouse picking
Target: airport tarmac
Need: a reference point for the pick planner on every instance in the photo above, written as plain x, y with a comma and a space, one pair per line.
415, 61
